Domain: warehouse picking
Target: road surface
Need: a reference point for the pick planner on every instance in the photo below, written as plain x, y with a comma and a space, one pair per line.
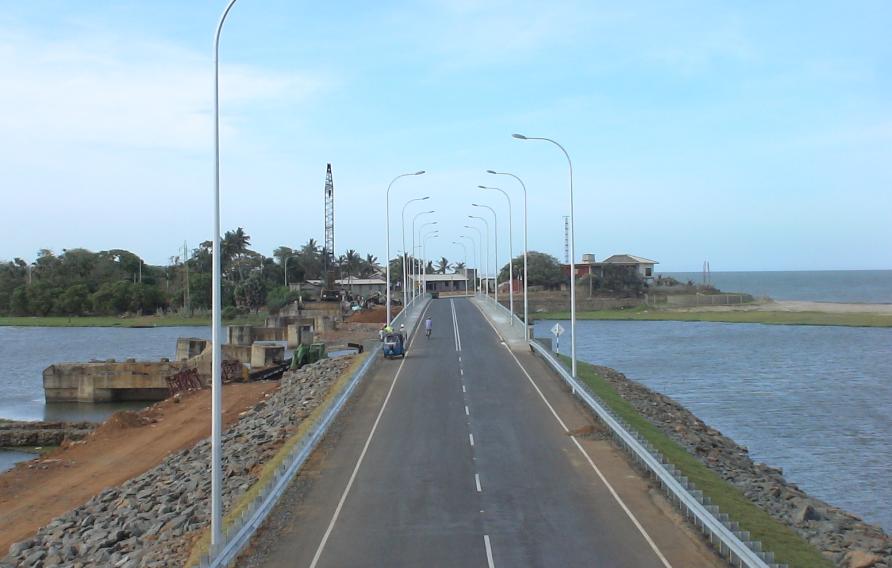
461, 455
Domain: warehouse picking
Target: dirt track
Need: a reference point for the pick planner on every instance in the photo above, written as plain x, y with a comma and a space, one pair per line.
128, 444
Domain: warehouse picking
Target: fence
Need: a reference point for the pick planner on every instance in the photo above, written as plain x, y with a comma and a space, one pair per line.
694, 300
723, 533
238, 535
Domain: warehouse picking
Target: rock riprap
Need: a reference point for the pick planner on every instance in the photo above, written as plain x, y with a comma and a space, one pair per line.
841, 536
152, 520
22, 434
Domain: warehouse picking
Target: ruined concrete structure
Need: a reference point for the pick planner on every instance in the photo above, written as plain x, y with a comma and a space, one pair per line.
250, 346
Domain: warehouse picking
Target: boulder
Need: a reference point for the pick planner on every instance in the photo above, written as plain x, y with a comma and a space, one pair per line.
860, 559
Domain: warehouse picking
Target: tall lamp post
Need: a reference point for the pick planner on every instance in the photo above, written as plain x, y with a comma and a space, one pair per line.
572, 252
415, 246
431, 235
488, 264
495, 231
510, 251
474, 256
387, 225
405, 254
217, 319
420, 268
287, 258
465, 250
482, 262
526, 306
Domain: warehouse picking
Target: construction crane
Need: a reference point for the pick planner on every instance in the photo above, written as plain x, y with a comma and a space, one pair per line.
329, 292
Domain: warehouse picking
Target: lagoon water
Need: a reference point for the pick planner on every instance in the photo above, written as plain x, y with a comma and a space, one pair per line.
27, 351
860, 286
816, 401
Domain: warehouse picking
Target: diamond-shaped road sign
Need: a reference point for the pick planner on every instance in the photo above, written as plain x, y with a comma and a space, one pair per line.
557, 330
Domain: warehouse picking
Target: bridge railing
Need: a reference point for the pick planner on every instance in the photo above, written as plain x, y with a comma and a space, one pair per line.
723, 533
238, 534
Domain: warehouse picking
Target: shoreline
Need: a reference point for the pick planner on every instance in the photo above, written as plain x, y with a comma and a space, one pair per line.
705, 454
135, 322
786, 312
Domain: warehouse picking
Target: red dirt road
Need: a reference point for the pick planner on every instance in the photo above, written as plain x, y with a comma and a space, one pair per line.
125, 446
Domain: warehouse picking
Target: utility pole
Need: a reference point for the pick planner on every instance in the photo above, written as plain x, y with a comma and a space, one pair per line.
187, 296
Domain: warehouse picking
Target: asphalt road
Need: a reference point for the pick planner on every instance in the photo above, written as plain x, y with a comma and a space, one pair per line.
460, 455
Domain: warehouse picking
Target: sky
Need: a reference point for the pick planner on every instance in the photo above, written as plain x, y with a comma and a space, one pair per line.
754, 135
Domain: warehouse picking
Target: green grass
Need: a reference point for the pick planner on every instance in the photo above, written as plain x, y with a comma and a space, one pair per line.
775, 318
135, 321
788, 547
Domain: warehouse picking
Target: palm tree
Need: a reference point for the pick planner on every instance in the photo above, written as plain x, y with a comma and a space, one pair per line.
311, 259
442, 265
233, 246
369, 266
458, 266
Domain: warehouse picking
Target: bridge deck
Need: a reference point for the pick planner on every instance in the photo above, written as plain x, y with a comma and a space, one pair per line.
469, 463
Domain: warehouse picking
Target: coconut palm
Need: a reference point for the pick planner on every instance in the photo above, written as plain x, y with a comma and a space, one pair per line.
442, 265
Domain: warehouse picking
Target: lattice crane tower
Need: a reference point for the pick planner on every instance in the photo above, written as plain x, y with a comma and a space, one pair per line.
329, 220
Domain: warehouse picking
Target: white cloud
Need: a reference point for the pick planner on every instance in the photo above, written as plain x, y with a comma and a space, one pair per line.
105, 91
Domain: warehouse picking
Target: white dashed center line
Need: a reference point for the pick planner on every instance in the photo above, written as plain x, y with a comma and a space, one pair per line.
477, 482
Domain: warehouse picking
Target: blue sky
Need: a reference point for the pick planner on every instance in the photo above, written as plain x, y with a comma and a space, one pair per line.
754, 135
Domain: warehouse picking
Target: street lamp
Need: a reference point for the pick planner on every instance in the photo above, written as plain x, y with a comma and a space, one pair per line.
414, 247
421, 246
482, 261
217, 319
495, 219
465, 249
287, 258
474, 255
572, 253
488, 265
526, 307
431, 235
387, 225
510, 251
405, 255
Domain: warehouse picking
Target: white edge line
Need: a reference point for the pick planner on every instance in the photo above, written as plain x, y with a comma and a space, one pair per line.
365, 448
488, 546
588, 458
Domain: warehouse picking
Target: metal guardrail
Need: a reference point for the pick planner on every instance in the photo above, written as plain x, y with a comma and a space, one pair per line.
239, 534
723, 533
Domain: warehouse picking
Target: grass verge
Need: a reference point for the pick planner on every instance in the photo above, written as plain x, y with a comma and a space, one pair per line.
135, 321
788, 547
775, 318
267, 474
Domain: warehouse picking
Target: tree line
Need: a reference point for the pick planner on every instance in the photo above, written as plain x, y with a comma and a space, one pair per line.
115, 282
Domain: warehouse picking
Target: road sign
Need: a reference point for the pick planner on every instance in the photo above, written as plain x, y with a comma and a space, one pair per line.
557, 330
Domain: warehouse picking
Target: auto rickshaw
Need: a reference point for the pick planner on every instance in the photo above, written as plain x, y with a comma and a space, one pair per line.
394, 345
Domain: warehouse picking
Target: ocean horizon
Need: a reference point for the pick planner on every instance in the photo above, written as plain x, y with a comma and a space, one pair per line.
847, 286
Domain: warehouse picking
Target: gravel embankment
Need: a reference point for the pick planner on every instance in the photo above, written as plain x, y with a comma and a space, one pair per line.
841, 536
153, 519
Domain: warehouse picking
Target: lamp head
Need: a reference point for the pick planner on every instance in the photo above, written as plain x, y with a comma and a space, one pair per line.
519, 136
425, 197
482, 187
418, 173
491, 172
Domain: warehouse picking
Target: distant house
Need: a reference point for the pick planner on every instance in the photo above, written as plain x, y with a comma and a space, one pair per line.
643, 266
458, 282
